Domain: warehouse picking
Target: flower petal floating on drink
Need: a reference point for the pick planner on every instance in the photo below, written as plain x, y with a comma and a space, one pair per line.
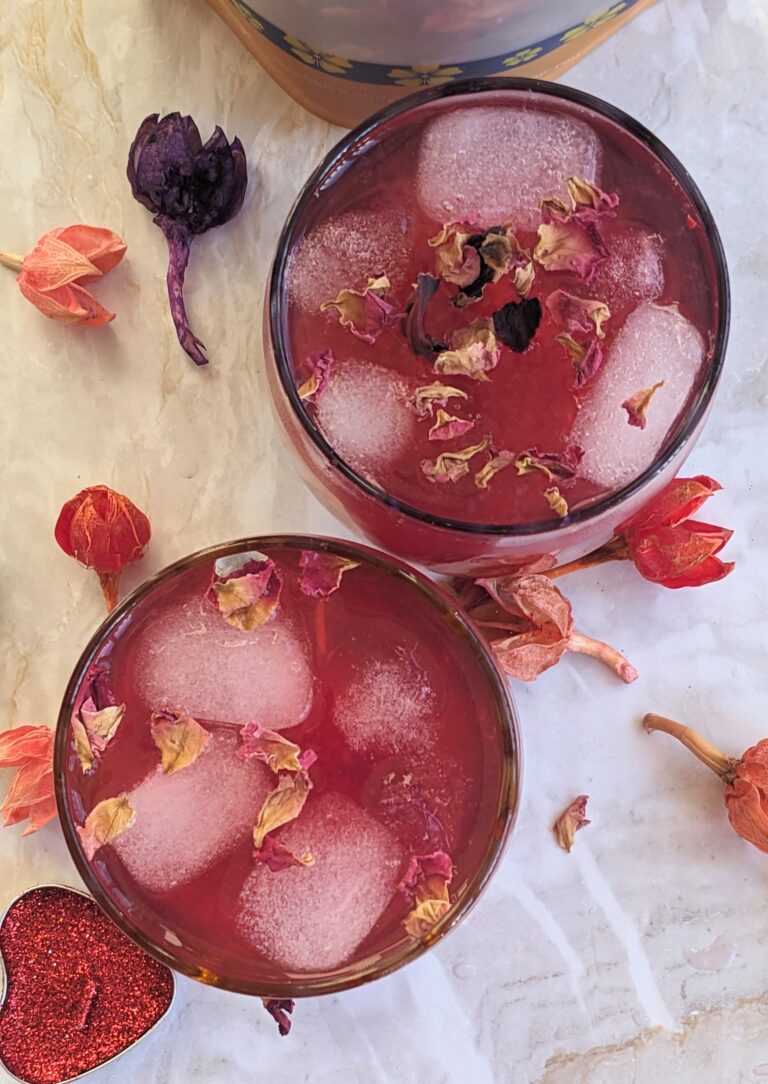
96, 717
425, 883
30, 795
246, 589
365, 312
745, 778
190, 187
321, 572
105, 531
53, 276
180, 739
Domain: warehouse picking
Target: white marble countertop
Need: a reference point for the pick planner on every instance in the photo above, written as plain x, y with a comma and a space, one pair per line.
641, 957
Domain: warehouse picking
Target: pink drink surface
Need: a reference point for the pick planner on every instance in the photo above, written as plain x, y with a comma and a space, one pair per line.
490, 162
410, 740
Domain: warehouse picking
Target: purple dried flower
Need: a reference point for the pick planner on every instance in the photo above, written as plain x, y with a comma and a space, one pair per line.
190, 187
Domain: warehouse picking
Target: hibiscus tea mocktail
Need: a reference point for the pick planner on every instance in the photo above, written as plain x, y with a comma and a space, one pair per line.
286, 766
498, 315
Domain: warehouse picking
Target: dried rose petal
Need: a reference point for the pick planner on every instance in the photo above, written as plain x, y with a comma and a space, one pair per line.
321, 366
414, 320
637, 405
570, 246
180, 739
277, 857
451, 466
96, 716
105, 531
577, 313
271, 748
246, 589
474, 351
426, 882
282, 805
570, 821
105, 822
587, 203
455, 260
426, 398
586, 357
516, 322
321, 573
424, 916
563, 464
365, 312
447, 426
280, 1009
556, 501
501, 252
30, 795
501, 460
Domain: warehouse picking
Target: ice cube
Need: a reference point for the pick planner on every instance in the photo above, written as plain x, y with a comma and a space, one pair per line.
634, 270
387, 706
189, 657
346, 252
363, 413
187, 821
656, 343
313, 918
491, 165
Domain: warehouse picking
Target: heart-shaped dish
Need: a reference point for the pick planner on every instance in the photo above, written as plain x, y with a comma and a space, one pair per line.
75, 992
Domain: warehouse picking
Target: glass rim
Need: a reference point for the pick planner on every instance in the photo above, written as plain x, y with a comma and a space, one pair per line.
504, 817
285, 244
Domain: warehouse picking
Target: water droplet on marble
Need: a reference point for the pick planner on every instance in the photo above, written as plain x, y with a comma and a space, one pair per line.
715, 957
464, 970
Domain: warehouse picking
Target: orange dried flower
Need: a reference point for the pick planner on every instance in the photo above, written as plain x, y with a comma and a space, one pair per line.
105, 531
30, 796
54, 274
745, 778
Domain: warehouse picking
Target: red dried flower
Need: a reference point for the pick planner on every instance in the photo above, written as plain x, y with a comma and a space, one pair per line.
30, 796
280, 1009
746, 778
105, 531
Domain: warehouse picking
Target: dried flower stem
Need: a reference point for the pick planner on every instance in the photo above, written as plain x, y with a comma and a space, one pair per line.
108, 581
10, 259
585, 645
615, 550
707, 753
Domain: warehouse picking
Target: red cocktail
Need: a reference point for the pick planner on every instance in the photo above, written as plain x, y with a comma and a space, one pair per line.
286, 766
497, 317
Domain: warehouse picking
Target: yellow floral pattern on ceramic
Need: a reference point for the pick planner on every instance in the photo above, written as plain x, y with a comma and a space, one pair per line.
334, 65
593, 21
522, 56
423, 75
250, 18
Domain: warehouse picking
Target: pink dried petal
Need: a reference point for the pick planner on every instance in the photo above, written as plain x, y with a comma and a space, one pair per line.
321, 573
570, 821
570, 246
577, 313
321, 366
447, 426
365, 312
246, 588
277, 857
637, 405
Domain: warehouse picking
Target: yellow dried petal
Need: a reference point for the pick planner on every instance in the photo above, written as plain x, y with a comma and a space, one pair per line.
283, 805
556, 501
451, 466
180, 740
271, 748
82, 745
424, 916
106, 822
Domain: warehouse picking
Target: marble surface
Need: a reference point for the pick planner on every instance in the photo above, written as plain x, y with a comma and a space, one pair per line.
642, 956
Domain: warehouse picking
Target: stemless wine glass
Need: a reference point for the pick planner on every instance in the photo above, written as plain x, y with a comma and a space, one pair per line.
191, 924
446, 543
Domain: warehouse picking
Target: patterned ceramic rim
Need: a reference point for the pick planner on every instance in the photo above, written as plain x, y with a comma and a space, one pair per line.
4, 986
423, 75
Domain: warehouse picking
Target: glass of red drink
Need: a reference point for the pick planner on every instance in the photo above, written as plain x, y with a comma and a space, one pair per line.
378, 703
546, 261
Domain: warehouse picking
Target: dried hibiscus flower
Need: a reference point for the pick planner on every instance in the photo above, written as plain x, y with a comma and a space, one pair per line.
190, 187
451, 466
105, 531
321, 366
538, 621
425, 883
665, 546
96, 715
30, 795
745, 778
280, 1009
105, 822
474, 352
426, 398
413, 325
246, 589
516, 323
365, 312
637, 405
180, 739
53, 276
321, 573
570, 821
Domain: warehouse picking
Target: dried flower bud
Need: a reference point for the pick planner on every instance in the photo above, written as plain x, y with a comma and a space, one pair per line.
54, 274
30, 795
190, 187
105, 531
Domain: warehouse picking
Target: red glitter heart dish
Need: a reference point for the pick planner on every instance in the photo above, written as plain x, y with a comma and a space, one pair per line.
74, 991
